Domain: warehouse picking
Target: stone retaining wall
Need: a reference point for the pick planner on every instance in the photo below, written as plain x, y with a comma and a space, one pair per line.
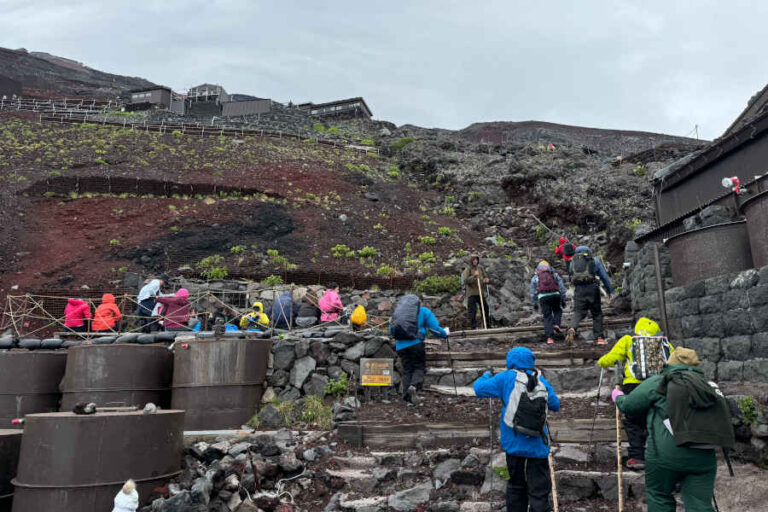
641, 277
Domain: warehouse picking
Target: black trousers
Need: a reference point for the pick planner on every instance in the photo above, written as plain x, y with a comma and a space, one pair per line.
529, 484
472, 302
552, 312
144, 312
586, 299
635, 427
414, 360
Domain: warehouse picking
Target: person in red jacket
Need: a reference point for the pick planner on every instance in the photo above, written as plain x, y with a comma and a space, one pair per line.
107, 315
176, 311
560, 251
76, 315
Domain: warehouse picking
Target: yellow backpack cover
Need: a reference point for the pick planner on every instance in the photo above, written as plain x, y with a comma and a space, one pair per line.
358, 316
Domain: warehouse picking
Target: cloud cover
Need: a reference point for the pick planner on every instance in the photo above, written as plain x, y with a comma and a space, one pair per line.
657, 66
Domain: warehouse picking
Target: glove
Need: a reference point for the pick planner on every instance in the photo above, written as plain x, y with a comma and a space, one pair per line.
447, 331
615, 394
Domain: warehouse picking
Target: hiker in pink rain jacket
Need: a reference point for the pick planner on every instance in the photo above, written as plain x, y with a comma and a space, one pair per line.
76, 313
330, 304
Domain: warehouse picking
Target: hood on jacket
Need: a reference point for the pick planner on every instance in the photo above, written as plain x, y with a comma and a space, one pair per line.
582, 249
258, 306
685, 356
76, 302
472, 258
520, 358
543, 265
563, 240
107, 298
647, 327
183, 293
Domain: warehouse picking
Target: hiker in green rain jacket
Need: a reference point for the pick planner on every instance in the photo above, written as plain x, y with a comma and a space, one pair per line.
680, 401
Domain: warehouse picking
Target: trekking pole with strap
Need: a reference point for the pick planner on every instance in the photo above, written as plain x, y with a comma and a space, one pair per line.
552, 476
590, 447
619, 468
450, 361
482, 304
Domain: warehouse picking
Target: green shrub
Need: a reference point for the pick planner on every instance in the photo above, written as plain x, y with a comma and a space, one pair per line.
541, 233
432, 285
461, 253
211, 268
333, 131
314, 411
272, 280
394, 173
447, 210
114, 241
502, 472
367, 252
342, 251
237, 249
385, 270
748, 409
640, 171
366, 142
445, 231
319, 127
427, 240
176, 133
400, 144
427, 257
633, 224
337, 387
54, 174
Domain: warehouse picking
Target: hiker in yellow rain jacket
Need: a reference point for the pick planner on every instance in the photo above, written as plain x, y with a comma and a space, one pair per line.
622, 353
255, 318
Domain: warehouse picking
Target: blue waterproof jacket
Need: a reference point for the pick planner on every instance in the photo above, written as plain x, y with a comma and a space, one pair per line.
599, 268
501, 386
427, 324
281, 310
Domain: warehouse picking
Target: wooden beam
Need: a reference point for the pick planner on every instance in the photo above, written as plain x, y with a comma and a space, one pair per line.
534, 329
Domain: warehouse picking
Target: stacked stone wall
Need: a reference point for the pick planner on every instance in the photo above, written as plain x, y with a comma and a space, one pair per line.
641, 278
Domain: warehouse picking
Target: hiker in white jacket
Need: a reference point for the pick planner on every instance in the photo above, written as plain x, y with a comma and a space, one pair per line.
127, 499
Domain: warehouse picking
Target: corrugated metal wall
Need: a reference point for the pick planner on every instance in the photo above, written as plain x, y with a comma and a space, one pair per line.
244, 108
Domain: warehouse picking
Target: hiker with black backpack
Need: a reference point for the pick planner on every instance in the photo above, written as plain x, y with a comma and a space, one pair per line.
548, 293
687, 419
526, 396
565, 250
410, 325
643, 356
474, 279
585, 270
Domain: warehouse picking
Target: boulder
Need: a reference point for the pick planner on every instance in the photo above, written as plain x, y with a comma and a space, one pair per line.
347, 338
289, 394
315, 385
279, 378
355, 352
445, 469
410, 499
301, 348
270, 417
301, 370
284, 354
319, 351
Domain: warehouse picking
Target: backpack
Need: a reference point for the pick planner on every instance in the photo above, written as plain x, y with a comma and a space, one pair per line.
526, 411
547, 281
405, 320
583, 269
649, 356
359, 316
569, 249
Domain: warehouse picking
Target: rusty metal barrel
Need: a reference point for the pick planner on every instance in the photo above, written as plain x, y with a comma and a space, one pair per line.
219, 382
73, 463
708, 252
10, 444
118, 374
755, 210
29, 383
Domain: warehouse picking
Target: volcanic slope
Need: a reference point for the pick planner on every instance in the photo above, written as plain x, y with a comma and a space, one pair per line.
82, 204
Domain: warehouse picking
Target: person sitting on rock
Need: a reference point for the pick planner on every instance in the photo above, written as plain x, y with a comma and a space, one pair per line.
330, 304
687, 417
76, 315
256, 318
107, 315
308, 310
175, 311
527, 451
474, 279
548, 293
621, 352
284, 311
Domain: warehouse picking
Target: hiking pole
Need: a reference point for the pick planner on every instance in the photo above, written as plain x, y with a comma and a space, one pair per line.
620, 472
714, 502
482, 304
594, 418
552, 477
450, 361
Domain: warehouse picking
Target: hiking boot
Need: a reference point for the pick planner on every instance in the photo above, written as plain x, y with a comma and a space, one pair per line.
601, 341
550, 341
571, 336
635, 464
413, 396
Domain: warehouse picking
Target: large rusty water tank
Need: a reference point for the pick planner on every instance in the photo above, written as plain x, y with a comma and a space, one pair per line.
10, 444
708, 252
77, 463
219, 382
118, 375
756, 212
29, 383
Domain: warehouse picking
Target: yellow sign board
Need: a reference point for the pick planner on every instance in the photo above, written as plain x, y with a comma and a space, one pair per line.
376, 372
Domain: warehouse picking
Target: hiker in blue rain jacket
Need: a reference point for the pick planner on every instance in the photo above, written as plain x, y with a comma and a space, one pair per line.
529, 481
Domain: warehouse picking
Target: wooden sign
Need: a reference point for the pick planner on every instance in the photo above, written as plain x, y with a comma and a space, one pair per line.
376, 372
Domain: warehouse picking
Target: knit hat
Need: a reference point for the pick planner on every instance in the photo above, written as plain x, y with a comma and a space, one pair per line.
543, 262
183, 293
685, 356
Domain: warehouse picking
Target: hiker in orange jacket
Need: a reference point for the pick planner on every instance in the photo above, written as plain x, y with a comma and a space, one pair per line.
107, 315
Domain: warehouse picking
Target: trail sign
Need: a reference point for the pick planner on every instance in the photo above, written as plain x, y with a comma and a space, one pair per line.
376, 372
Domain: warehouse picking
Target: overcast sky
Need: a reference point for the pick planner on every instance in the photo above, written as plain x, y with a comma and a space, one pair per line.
662, 66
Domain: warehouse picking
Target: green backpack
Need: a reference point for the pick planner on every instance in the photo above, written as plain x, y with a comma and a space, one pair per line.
583, 269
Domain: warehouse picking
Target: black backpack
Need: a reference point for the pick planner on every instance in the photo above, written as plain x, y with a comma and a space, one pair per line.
583, 270
405, 320
569, 249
